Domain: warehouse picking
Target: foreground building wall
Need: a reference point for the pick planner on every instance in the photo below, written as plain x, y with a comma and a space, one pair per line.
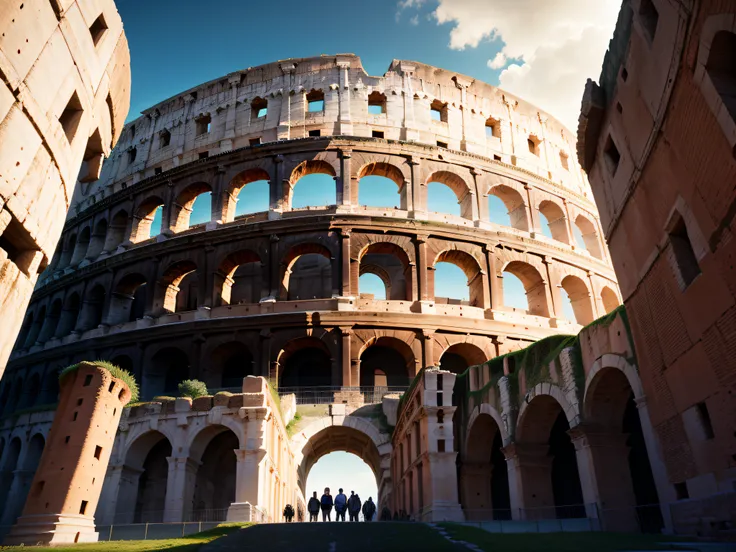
657, 138
65, 94
273, 291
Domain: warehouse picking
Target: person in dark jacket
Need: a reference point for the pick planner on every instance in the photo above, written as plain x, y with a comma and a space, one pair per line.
354, 506
313, 507
289, 513
341, 506
369, 509
326, 505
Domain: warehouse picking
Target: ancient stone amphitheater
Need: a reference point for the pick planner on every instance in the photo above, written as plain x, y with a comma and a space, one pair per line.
277, 292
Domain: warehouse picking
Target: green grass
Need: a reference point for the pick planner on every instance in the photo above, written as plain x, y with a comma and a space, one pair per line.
559, 542
190, 543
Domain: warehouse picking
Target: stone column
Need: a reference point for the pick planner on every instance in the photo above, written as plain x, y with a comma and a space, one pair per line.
226, 144
427, 348
552, 294
344, 188
16, 496
442, 475
422, 269
274, 272
119, 493
180, 485
535, 224
410, 130
418, 189
345, 276
345, 122
283, 131
277, 185
530, 480
494, 282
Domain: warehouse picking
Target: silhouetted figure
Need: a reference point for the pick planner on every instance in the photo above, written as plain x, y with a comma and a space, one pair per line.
313, 507
354, 506
369, 509
289, 513
385, 514
326, 504
341, 506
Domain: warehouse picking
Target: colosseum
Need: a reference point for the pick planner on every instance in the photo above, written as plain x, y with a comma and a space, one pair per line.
275, 285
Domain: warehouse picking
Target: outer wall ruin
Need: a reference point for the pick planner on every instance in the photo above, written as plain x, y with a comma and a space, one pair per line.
65, 94
276, 293
657, 138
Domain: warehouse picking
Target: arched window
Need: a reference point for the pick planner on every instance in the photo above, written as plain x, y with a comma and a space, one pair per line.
201, 209
512, 203
253, 198
493, 128
97, 240
183, 212
172, 283
68, 251
460, 281
448, 193
52, 319
553, 220
372, 284
610, 299
69, 315
586, 236
147, 221
450, 282
81, 248
249, 192
310, 278
116, 231
441, 199
580, 307
534, 285
376, 103
381, 185
91, 314
514, 294
241, 276
313, 184
128, 299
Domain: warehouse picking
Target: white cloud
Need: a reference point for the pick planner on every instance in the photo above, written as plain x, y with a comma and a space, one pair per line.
414, 20
497, 62
558, 44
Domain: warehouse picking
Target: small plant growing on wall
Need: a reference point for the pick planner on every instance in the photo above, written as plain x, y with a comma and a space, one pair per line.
192, 389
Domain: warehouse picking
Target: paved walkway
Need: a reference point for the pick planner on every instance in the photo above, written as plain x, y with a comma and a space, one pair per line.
334, 537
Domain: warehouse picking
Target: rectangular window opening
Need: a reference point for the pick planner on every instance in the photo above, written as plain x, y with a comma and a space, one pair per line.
74, 418
493, 128
98, 452
438, 111
97, 29
83, 507
255, 141
684, 255
132, 154
533, 145
612, 156
71, 117
164, 139
315, 101
649, 17
203, 125
376, 103
79, 402
157, 170
203, 155
441, 144
377, 134
681, 491
18, 244
440, 445
112, 386
705, 421
259, 108
87, 380
66, 439
315, 133
565, 161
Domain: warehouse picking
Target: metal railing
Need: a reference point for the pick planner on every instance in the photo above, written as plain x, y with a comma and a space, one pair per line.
339, 395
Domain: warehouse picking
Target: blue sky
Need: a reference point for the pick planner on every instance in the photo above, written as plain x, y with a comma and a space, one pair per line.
342, 469
177, 44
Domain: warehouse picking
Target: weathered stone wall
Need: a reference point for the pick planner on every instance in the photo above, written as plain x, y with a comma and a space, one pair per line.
662, 169
65, 94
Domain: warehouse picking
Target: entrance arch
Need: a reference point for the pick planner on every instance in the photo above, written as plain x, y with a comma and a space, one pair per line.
213, 451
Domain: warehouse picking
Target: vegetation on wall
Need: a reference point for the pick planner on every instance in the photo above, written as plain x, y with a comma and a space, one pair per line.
193, 389
115, 371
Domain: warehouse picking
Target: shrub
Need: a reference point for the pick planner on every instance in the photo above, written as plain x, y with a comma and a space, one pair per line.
115, 371
193, 389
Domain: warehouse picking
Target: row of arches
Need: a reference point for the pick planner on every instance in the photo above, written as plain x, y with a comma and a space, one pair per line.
542, 471
314, 183
19, 459
387, 270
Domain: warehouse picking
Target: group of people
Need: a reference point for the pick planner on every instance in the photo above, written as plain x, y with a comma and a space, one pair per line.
343, 505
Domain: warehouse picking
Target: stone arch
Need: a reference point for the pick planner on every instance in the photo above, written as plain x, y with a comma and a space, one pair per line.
621, 463
385, 170
141, 496
97, 240
127, 300
80, 251
458, 357
472, 269
25, 330
92, 308
181, 210
397, 276
386, 361
213, 450
69, 315
460, 188
226, 272
8, 466
238, 182
50, 389
70, 245
307, 167
166, 368
381, 273
515, 204
484, 483
229, 363
289, 284
556, 220
539, 422
36, 326
51, 321
580, 299
609, 298
590, 236
534, 285
304, 361
143, 218
116, 230
349, 434
167, 286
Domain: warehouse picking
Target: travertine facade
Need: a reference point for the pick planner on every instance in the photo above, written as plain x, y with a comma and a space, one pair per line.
266, 292
67, 484
65, 94
657, 138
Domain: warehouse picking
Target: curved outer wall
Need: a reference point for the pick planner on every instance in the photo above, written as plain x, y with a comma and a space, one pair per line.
65, 68
206, 139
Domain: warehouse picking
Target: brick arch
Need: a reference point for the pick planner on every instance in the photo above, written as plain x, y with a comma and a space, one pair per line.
485, 409
400, 247
608, 385
166, 288
515, 203
306, 167
143, 214
537, 413
303, 342
394, 343
462, 190
473, 269
236, 184
364, 338
467, 347
226, 269
380, 272
386, 170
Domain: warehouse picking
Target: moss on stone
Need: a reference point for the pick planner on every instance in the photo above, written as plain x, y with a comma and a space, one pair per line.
115, 371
